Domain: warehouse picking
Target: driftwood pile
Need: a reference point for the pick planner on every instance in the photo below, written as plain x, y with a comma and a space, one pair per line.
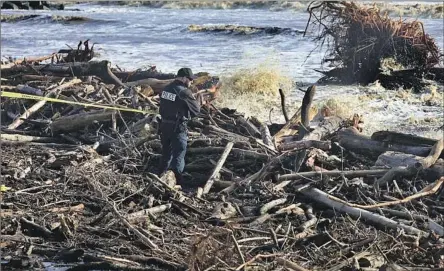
360, 40
311, 194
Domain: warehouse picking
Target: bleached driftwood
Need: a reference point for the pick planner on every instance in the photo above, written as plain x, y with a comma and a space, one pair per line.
412, 169
218, 167
324, 198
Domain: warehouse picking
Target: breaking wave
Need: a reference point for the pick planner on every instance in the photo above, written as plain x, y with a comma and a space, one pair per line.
14, 18
242, 30
419, 10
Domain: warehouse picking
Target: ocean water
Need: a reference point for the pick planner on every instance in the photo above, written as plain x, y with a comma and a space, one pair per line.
139, 36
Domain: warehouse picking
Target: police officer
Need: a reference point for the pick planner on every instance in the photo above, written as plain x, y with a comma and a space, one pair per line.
177, 106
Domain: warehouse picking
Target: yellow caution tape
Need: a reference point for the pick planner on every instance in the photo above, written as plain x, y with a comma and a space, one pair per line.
40, 98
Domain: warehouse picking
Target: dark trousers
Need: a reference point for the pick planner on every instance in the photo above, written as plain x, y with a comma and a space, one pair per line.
174, 146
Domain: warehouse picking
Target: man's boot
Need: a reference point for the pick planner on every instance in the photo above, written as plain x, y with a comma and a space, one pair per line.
169, 178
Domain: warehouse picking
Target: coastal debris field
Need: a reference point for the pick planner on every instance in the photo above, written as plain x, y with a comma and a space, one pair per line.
313, 193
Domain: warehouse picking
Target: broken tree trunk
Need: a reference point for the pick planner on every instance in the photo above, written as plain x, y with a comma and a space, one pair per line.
352, 140
284, 108
402, 139
291, 128
392, 159
304, 127
327, 126
424, 163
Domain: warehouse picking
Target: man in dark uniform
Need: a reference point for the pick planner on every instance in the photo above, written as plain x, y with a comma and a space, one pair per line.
177, 106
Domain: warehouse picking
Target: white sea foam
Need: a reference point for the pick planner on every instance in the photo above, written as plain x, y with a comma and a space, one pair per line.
425, 9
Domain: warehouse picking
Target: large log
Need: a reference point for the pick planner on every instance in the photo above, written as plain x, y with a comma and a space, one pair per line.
393, 159
97, 68
26, 138
31, 77
402, 139
79, 121
133, 76
424, 163
326, 127
352, 140
156, 84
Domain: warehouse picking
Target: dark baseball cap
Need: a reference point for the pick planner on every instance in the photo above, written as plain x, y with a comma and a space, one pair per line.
186, 72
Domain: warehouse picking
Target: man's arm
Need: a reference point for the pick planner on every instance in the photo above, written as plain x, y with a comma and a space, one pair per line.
192, 103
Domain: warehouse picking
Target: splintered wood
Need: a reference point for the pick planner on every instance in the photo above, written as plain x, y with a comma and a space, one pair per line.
251, 197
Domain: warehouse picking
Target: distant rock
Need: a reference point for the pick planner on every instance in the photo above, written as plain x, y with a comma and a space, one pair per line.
31, 5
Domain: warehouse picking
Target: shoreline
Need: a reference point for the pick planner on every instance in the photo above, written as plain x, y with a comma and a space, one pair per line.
87, 180
420, 10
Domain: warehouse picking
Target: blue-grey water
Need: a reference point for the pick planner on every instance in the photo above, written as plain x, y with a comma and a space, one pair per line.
136, 36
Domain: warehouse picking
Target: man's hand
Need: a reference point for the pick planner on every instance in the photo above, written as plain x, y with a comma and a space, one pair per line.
206, 96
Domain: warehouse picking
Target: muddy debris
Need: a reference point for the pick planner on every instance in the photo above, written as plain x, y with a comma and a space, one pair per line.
313, 193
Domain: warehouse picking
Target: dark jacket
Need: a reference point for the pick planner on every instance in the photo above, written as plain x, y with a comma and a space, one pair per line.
177, 102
